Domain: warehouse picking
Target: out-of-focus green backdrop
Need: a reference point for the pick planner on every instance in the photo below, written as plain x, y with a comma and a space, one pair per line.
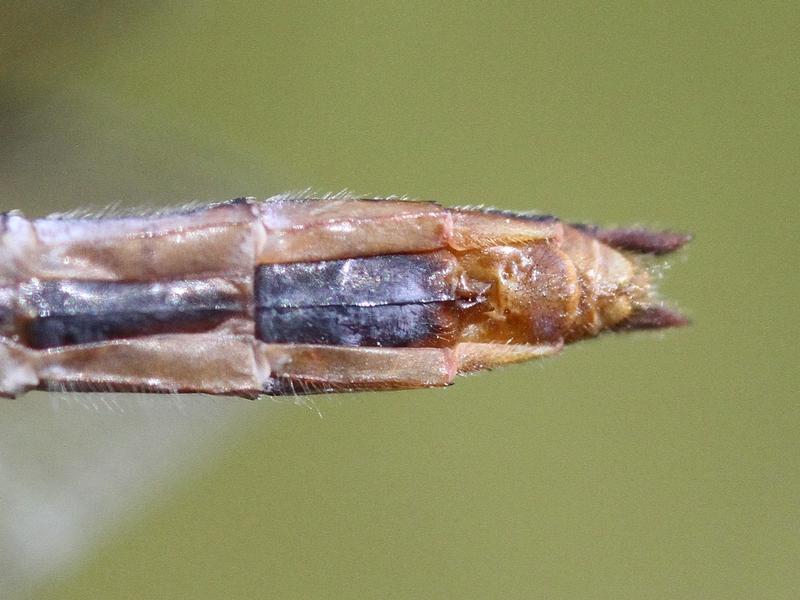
636, 466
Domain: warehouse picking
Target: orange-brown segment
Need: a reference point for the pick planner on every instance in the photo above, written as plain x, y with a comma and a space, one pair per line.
161, 363
474, 229
312, 230
314, 368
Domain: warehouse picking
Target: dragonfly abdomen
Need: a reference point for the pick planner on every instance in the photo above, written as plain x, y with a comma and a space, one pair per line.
296, 296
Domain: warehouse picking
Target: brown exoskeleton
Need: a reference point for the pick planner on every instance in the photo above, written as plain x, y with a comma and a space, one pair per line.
301, 295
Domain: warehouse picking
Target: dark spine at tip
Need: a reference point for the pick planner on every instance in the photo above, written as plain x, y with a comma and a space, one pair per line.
652, 317
639, 240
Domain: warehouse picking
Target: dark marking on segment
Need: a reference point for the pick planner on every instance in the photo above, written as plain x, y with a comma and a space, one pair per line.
638, 240
374, 281
7, 314
286, 386
62, 313
52, 332
391, 325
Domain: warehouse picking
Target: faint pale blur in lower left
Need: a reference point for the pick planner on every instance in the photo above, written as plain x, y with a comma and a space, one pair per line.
73, 468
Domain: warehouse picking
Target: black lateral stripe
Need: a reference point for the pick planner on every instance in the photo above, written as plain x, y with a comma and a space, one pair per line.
373, 281
52, 332
7, 311
67, 312
93, 298
388, 325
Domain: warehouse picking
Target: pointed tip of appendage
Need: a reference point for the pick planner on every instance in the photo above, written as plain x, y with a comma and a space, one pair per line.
653, 317
645, 241
639, 240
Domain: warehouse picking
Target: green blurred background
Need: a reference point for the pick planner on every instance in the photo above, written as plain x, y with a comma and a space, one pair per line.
636, 466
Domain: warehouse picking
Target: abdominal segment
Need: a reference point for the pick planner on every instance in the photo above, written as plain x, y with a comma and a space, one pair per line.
398, 300
298, 296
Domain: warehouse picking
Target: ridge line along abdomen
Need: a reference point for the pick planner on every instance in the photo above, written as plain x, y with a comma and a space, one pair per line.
307, 295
